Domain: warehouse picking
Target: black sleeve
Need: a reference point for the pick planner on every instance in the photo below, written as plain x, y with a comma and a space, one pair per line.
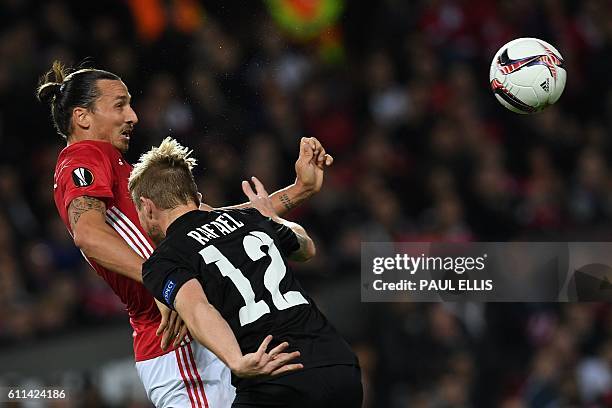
163, 278
288, 240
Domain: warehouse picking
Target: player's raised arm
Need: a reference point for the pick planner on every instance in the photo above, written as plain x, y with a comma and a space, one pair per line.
99, 241
208, 327
309, 170
262, 202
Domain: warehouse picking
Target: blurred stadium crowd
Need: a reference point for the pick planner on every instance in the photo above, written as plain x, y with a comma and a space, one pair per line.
397, 91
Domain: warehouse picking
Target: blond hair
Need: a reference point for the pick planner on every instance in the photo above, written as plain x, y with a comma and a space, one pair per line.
163, 175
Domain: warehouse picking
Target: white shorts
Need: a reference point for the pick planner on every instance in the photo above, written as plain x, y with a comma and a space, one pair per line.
190, 376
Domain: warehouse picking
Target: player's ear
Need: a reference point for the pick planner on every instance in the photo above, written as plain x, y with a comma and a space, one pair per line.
81, 117
142, 201
147, 207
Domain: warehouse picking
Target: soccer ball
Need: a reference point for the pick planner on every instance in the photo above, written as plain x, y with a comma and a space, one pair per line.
527, 75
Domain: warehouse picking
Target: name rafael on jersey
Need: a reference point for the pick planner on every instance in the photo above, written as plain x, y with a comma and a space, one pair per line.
223, 225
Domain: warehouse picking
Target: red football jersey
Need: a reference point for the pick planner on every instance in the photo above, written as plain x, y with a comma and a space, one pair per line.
97, 169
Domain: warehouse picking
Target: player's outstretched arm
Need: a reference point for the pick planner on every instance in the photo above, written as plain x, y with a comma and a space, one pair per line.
309, 170
99, 241
262, 203
207, 325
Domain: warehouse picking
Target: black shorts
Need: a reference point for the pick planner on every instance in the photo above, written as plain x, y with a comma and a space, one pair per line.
336, 386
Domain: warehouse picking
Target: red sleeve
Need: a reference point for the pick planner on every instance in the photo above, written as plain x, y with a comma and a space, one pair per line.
86, 172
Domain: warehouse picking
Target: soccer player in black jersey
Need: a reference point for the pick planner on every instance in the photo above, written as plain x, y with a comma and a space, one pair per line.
225, 272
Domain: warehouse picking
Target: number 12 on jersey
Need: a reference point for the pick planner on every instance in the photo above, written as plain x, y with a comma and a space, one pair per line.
273, 276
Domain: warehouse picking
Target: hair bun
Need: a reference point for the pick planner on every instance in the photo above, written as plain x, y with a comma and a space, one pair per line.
47, 92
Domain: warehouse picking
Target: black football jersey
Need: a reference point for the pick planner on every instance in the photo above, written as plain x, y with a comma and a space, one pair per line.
240, 258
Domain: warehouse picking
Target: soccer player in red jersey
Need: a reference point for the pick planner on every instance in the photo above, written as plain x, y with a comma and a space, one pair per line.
91, 110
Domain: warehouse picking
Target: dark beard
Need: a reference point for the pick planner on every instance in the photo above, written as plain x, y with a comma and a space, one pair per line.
157, 235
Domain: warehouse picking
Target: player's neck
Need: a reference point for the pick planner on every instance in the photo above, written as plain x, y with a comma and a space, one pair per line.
171, 215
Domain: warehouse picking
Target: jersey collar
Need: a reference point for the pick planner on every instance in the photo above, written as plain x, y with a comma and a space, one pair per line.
183, 220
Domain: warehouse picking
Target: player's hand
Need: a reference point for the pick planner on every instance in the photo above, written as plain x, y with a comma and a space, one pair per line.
175, 332
171, 328
310, 165
262, 363
164, 311
259, 198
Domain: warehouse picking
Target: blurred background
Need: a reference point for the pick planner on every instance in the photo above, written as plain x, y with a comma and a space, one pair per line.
398, 92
